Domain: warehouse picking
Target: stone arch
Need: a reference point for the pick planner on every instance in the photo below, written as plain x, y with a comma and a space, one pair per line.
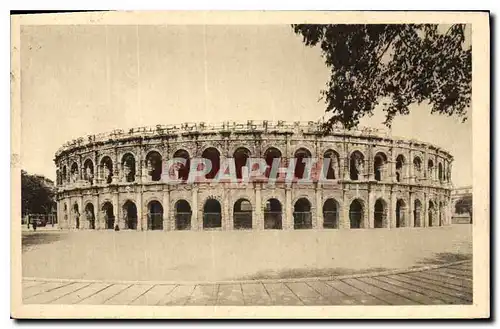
431, 213
440, 172
270, 154
182, 170
332, 170
154, 165
300, 154
64, 175
109, 215
88, 170
400, 213
356, 165
214, 155
380, 213
212, 214
76, 213
356, 213
128, 167
331, 209
417, 213
183, 213
417, 166
129, 211
90, 214
74, 172
242, 214
106, 165
241, 156
380, 166
302, 216
155, 215
430, 169
273, 211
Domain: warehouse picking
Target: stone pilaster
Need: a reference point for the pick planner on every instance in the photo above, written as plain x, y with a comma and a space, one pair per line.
168, 222
257, 217
318, 223
196, 224
288, 222
370, 223
142, 223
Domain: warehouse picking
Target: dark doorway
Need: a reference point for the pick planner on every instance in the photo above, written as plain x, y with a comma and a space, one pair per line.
212, 215
356, 214
155, 216
130, 215
330, 214
242, 215
182, 215
417, 213
109, 216
400, 213
90, 215
302, 218
272, 215
380, 214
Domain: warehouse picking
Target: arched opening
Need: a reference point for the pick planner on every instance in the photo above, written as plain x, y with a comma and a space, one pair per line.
302, 218
300, 165
417, 167
109, 216
107, 169
441, 213
64, 175
242, 214
155, 216
272, 215
356, 214
128, 167
213, 155
400, 162
440, 172
182, 169
431, 213
400, 213
130, 215
154, 165
356, 165
241, 156
88, 170
182, 215
74, 172
380, 214
212, 215
65, 211
333, 168
271, 154
76, 213
330, 214
90, 215
430, 169
417, 211
379, 166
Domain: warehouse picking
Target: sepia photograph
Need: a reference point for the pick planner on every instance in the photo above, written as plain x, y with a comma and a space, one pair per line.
257, 164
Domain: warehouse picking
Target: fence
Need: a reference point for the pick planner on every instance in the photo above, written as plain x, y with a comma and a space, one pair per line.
183, 221
242, 220
330, 219
155, 221
41, 219
273, 220
302, 220
212, 220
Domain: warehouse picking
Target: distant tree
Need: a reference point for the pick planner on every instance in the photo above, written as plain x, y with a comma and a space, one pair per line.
464, 206
36, 193
396, 64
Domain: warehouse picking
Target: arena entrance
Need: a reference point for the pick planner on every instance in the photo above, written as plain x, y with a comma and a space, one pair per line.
356, 214
272, 215
302, 218
90, 215
416, 213
400, 213
242, 215
330, 214
212, 215
130, 215
109, 216
380, 214
155, 216
76, 213
182, 215
431, 213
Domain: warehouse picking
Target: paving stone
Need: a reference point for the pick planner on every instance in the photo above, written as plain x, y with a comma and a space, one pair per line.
449, 283
307, 294
437, 277
230, 294
154, 295
449, 275
437, 286
102, 296
379, 293
77, 295
332, 295
255, 294
27, 284
427, 289
459, 273
282, 295
42, 288
178, 296
128, 295
358, 295
54, 294
204, 295
417, 297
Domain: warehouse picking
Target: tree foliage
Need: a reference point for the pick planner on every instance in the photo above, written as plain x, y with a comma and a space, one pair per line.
36, 194
395, 64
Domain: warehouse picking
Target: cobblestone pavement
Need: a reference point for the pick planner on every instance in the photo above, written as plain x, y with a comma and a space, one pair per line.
446, 284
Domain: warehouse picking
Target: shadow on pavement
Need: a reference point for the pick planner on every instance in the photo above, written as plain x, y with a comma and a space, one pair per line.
31, 240
443, 258
307, 273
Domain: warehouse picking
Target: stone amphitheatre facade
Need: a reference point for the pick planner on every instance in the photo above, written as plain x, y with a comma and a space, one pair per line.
120, 180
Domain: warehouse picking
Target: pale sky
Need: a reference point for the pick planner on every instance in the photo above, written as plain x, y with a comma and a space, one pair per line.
79, 80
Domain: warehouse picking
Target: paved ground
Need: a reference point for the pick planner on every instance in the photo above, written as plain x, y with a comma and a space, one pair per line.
237, 255
438, 284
